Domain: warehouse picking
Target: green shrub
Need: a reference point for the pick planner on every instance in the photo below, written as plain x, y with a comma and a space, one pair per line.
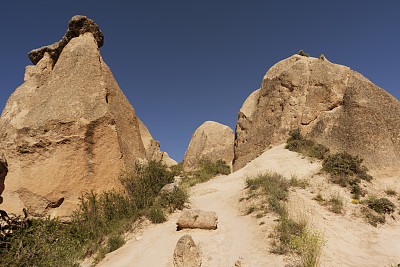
380, 205
336, 203
390, 192
302, 53
309, 246
309, 148
298, 183
356, 191
41, 242
289, 234
175, 199
156, 214
177, 169
145, 182
250, 210
48, 242
295, 134
319, 197
287, 230
372, 217
345, 165
207, 169
115, 242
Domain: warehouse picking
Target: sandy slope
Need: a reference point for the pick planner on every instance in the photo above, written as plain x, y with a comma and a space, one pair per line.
350, 241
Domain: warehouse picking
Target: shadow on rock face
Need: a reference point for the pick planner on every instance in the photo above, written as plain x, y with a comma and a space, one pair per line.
3, 173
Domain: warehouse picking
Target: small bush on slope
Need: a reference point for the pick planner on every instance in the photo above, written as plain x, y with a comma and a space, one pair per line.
175, 199
290, 235
309, 148
380, 205
345, 169
207, 169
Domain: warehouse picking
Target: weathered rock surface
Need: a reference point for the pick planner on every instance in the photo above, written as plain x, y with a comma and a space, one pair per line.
198, 219
187, 253
77, 26
152, 147
330, 103
67, 130
211, 140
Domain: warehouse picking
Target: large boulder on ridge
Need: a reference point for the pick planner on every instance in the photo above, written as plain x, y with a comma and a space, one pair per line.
211, 140
330, 103
66, 130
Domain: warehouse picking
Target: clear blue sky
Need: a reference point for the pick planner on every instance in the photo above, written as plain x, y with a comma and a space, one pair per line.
181, 63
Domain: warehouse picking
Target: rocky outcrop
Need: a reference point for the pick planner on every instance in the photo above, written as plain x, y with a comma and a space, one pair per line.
67, 130
187, 253
152, 147
198, 219
331, 104
211, 140
77, 26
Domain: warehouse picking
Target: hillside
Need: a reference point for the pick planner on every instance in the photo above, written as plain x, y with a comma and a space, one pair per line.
350, 240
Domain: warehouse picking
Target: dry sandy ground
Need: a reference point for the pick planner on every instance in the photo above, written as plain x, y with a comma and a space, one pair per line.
239, 238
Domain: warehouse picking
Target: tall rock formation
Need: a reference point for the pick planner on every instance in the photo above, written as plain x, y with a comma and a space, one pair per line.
68, 128
152, 147
331, 104
211, 140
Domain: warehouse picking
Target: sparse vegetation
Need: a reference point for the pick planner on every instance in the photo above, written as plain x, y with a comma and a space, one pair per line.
336, 203
49, 242
345, 169
302, 53
372, 217
175, 199
319, 197
309, 148
295, 182
115, 242
156, 214
309, 246
390, 191
380, 205
207, 169
290, 234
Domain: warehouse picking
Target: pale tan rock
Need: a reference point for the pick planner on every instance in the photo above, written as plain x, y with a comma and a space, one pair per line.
67, 130
152, 147
331, 104
198, 219
211, 140
187, 253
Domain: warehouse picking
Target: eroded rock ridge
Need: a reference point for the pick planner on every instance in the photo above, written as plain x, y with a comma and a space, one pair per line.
331, 103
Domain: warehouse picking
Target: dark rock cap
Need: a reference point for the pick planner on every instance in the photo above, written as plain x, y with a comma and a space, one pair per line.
77, 25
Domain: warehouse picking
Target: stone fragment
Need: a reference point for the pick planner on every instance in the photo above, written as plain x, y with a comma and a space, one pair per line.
187, 253
198, 219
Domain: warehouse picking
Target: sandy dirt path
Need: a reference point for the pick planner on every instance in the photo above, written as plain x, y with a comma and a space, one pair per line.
350, 240
237, 236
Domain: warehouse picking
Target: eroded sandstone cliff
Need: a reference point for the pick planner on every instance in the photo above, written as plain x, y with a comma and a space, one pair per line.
331, 103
